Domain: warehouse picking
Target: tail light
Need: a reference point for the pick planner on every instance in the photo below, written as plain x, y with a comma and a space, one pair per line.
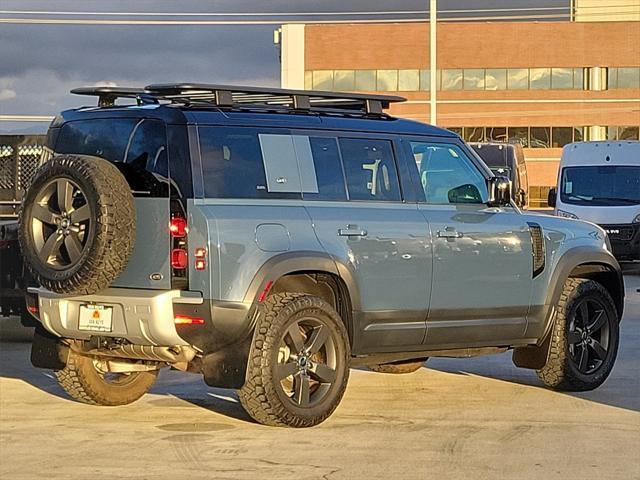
187, 320
201, 258
179, 256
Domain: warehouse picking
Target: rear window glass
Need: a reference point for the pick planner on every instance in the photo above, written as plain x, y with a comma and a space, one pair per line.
102, 138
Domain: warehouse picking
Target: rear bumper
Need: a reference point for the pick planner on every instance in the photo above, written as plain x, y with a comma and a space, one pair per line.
625, 240
143, 317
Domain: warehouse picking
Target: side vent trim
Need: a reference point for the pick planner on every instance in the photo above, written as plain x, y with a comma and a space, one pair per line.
537, 243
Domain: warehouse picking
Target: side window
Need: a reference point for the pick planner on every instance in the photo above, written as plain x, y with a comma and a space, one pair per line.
106, 138
448, 175
328, 170
233, 165
370, 169
147, 148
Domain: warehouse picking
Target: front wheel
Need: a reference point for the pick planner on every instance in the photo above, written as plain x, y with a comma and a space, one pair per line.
83, 380
584, 339
298, 363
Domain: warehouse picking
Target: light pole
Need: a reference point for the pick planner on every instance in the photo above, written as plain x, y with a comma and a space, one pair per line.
433, 13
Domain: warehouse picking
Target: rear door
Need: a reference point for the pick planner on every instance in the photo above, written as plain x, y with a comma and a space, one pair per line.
138, 147
482, 257
382, 241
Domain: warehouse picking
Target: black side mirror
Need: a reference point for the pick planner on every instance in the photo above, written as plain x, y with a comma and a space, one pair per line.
499, 191
553, 196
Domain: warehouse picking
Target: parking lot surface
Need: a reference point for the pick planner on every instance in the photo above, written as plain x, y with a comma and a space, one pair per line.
455, 418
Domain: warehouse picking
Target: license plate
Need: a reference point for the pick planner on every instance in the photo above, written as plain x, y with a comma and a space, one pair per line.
96, 318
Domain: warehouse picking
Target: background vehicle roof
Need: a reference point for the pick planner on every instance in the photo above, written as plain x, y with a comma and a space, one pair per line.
601, 153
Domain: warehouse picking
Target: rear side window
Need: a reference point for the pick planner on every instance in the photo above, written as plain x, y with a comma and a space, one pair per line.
370, 169
106, 138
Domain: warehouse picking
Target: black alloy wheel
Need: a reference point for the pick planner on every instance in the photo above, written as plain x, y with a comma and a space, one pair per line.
588, 335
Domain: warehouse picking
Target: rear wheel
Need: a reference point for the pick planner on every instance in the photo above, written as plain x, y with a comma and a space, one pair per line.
298, 364
584, 340
84, 381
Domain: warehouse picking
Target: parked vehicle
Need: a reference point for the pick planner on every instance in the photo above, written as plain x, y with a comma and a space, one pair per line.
600, 182
506, 159
270, 239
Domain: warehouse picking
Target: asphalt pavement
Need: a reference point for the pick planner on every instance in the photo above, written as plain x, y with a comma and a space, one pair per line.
476, 418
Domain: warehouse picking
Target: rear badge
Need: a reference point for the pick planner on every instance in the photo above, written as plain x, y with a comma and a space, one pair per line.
156, 276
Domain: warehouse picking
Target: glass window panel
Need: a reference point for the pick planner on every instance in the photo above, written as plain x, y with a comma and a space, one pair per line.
326, 161
612, 133
448, 175
518, 78
452, 79
628, 133
540, 78
387, 80
612, 80
540, 137
628, 77
474, 79
473, 134
344, 80
366, 80
561, 78
578, 78
519, 134
497, 134
370, 169
308, 80
578, 134
323, 80
408, 80
425, 80
496, 79
561, 136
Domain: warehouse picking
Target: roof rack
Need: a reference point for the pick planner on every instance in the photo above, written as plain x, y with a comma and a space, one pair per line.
237, 97
107, 96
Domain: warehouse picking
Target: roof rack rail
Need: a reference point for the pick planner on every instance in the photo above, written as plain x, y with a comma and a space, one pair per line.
107, 96
237, 97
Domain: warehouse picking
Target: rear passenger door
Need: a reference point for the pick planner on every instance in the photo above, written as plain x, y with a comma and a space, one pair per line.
375, 237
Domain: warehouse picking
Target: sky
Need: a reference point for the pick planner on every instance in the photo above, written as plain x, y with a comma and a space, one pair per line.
39, 64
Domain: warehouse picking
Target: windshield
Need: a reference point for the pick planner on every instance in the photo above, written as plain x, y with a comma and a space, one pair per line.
607, 185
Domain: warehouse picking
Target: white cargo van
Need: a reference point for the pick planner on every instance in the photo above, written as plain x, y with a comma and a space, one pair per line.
600, 182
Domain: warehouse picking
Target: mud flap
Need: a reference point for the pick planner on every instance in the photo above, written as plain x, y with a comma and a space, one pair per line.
532, 356
48, 351
227, 368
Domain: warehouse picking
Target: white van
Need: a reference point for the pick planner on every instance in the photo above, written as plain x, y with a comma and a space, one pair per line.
600, 182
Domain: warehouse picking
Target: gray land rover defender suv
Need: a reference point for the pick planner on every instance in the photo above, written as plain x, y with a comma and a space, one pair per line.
271, 239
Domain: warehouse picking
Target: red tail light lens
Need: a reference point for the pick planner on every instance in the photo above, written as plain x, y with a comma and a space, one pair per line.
186, 320
178, 227
179, 258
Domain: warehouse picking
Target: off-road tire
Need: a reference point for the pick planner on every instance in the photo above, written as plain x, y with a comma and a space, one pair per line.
258, 396
113, 219
559, 372
397, 368
84, 383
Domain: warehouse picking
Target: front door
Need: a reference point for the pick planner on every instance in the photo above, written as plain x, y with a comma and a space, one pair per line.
482, 256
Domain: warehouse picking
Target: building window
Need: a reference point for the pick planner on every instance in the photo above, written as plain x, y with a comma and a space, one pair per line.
323, 80
540, 78
452, 79
561, 78
518, 78
456, 130
344, 80
474, 79
473, 134
578, 81
578, 134
561, 136
628, 78
366, 80
519, 134
496, 79
425, 80
387, 80
409, 80
540, 137
308, 80
496, 134
628, 133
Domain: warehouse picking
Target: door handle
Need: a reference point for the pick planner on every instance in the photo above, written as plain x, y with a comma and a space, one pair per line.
449, 233
352, 231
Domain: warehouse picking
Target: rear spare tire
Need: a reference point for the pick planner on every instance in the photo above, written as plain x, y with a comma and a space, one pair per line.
77, 224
